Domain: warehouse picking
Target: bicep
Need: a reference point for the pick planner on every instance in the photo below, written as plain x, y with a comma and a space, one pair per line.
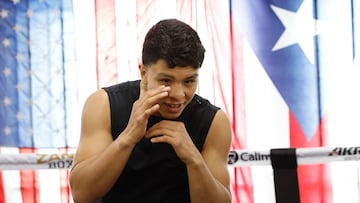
95, 127
217, 146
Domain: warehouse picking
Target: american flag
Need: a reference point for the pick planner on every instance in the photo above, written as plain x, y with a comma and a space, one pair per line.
37, 94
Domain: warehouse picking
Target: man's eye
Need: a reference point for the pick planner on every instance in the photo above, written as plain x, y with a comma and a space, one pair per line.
189, 81
166, 81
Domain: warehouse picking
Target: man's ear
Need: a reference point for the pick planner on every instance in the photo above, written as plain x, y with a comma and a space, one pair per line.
142, 70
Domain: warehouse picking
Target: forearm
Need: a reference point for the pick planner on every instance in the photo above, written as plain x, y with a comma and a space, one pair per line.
92, 178
204, 187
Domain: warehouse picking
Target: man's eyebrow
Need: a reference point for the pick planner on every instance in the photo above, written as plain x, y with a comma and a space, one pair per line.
193, 76
165, 75
172, 77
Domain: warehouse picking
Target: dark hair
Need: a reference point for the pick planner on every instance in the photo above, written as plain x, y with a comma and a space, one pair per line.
175, 42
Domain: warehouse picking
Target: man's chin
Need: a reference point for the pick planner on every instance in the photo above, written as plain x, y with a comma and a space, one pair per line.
167, 115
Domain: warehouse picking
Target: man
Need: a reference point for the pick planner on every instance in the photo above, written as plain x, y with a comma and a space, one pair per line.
155, 140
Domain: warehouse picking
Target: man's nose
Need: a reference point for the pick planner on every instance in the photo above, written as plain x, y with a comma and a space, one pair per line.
177, 91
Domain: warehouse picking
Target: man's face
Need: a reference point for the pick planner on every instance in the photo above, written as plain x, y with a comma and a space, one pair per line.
182, 81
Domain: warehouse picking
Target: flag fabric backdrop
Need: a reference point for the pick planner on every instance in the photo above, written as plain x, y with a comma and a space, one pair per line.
106, 62
292, 52
268, 65
278, 68
37, 94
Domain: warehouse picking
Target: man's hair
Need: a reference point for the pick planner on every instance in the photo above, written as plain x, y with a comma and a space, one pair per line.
175, 42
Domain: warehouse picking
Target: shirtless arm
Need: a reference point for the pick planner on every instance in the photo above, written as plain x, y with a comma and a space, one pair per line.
208, 175
94, 172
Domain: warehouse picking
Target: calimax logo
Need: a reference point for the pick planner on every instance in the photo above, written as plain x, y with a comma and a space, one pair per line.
246, 156
343, 151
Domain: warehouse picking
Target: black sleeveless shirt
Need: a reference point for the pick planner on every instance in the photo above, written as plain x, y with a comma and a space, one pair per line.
154, 174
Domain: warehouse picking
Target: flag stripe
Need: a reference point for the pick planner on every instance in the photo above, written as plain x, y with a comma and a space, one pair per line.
2, 194
49, 183
29, 182
145, 16
106, 40
65, 191
11, 180
185, 11
243, 182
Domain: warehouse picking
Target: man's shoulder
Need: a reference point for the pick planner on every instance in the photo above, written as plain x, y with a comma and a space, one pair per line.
201, 101
124, 86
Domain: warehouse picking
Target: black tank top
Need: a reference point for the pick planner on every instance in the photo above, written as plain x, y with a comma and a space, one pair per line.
154, 174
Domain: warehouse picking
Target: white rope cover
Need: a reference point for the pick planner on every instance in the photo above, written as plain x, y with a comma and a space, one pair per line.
304, 156
35, 161
237, 158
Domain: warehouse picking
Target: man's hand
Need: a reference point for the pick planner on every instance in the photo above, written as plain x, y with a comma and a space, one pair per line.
143, 108
175, 134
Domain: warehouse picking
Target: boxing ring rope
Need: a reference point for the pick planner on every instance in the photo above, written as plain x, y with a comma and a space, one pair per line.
304, 156
284, 162
237, 158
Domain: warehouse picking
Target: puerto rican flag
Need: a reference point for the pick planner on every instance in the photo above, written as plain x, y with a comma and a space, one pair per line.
293, 52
